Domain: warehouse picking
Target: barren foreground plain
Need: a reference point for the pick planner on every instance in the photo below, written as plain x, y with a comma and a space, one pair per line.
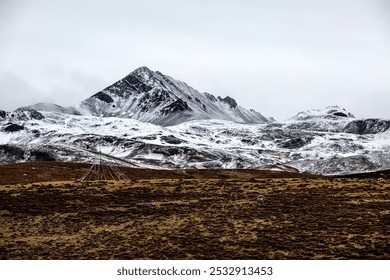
191, 214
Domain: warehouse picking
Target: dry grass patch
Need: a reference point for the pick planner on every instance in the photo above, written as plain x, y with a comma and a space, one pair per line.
197, 218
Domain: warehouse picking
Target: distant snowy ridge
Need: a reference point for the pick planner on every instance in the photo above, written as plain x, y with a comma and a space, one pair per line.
50, 107
336, 119
330, 112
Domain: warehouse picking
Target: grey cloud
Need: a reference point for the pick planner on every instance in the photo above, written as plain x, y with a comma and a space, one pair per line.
16, 92
278, 57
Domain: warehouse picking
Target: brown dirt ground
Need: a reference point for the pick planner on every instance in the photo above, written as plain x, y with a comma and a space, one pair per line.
209, 214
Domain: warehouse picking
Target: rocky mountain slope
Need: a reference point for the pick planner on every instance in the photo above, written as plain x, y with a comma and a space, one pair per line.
151, 120
152, 97
320, 145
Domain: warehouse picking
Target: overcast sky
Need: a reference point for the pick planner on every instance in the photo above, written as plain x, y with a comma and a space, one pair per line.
278, 57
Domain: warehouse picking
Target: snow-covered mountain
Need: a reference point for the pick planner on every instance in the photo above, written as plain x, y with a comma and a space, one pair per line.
316, 143
152, 97
151, 120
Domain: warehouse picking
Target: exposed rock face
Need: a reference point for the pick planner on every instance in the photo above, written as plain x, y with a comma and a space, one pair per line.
41, 156
295, 143
367, 126
13, 127
150, 96
103, 97
11, 153
170, 139
230, 101
177, 106
21, 115
346, 165
340, 114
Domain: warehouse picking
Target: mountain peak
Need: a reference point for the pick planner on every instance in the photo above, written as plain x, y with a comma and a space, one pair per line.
140, 74
151, 96
142, 69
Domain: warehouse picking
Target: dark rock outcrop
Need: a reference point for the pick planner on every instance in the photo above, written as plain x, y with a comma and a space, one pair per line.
35, 114
152, 100
228, 100
135, 82
41, 156
13, 127
103, 97
367, 126
340, 114
170, 139
345, 165
10, 153
295, 143
178, 106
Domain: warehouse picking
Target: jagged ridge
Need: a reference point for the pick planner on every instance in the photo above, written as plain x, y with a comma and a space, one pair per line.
152, 97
